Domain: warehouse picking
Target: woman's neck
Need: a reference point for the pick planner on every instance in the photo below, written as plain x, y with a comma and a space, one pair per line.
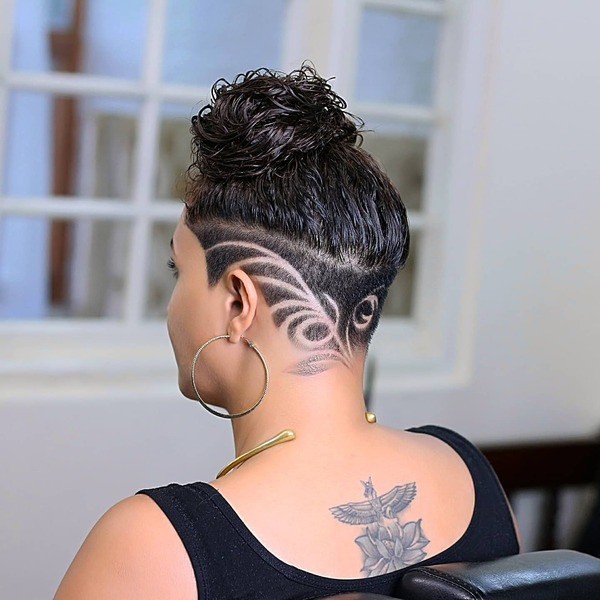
317, 408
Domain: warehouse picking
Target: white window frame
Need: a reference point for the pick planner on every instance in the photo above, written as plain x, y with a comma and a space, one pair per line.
70, 359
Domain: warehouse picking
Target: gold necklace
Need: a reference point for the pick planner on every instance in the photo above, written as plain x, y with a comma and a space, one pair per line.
286, 435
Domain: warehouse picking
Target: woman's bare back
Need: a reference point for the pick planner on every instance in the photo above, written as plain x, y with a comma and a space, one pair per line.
327, 510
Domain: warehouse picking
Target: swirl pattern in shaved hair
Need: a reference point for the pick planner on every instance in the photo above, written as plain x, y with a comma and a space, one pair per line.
326, 321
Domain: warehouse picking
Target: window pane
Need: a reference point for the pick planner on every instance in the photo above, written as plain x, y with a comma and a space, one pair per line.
69, 146
160, 278
399, 302
397, 55
107, 38
207, 40
55, 268
108, 170
402, 155
174, 149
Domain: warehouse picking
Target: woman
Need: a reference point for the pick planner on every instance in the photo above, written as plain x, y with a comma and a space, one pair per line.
289, 240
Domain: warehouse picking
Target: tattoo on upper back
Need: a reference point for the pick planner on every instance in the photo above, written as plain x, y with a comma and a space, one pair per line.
387, 544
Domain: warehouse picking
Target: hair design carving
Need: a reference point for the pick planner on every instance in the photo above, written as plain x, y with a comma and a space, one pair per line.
313, 320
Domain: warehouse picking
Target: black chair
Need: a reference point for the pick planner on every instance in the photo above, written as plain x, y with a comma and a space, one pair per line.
544, 575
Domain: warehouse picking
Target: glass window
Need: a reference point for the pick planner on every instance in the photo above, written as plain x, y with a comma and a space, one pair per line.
70, 36
400, 298
402, 149
92, 165
63, 268
62, 145
160, 279
207, 40
397, 57
174, 149
108, 164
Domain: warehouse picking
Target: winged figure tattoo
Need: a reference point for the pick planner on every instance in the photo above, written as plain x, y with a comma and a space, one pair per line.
386, 543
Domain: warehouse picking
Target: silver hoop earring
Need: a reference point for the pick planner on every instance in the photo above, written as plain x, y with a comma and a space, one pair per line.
209, 408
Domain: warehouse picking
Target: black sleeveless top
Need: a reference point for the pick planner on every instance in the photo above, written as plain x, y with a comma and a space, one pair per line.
231, 564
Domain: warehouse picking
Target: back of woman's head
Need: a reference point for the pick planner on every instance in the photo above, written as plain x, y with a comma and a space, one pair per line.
280, 187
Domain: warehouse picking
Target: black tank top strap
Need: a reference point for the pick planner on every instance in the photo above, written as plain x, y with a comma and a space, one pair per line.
174, 500
225, 565
491, 532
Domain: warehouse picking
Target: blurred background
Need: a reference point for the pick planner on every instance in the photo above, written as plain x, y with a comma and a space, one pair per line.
481, 111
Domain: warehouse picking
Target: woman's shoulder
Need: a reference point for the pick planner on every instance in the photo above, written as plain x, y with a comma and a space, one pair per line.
449, 440
442, 432
438, 439
490, 495
110, 561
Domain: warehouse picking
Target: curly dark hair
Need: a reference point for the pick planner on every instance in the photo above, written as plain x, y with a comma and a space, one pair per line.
280, 185
262, 123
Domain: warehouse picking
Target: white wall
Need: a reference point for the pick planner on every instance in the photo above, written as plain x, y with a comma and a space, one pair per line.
537, 335
537, 330
64, 465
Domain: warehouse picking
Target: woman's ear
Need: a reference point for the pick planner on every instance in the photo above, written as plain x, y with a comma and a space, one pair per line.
242, 301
